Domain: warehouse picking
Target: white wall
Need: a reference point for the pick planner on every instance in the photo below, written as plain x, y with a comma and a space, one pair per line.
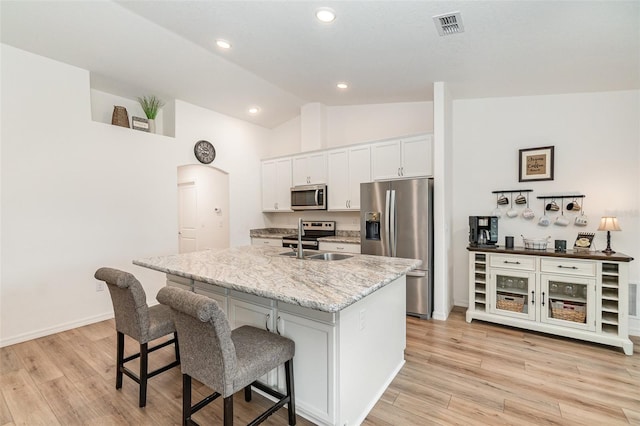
239, 147
596, 138
77, 194
347, 125
443, 199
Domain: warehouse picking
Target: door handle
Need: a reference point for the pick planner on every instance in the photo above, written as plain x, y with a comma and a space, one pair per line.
513, 263
567, 267
392, 225
277, 322
533, 298
542, 299
387, 222
316, 197
266, 322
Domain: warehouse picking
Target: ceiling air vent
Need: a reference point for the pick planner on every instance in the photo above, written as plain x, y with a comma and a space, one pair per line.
449, 23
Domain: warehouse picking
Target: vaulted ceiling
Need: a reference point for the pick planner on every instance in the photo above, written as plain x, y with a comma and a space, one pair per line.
282, 57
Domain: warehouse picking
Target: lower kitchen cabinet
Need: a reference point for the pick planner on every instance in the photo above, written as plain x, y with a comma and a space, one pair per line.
314, 334
337, 380
268, 242
573, 295
339, 247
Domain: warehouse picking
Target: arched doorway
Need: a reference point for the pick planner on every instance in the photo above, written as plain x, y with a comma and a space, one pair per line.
203, 208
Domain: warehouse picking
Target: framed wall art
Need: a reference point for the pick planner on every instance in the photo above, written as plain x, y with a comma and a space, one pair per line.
536, 164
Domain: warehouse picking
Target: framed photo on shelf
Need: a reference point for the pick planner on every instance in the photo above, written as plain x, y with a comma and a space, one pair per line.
536, 164
583, 241
140, 123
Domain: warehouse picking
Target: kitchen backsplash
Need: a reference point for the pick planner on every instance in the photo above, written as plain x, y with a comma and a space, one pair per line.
345, 221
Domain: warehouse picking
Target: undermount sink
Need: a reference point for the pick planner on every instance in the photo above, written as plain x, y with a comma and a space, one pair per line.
305, 253
313, 255
329, 256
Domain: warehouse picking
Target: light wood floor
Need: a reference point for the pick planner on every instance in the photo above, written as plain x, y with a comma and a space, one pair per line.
456, 373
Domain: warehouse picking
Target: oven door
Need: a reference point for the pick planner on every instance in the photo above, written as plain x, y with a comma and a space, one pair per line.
309, 197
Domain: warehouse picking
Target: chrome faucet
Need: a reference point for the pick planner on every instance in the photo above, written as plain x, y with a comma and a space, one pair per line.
300, 252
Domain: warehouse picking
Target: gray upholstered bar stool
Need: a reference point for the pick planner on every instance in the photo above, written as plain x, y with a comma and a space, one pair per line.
224, 360
139, 321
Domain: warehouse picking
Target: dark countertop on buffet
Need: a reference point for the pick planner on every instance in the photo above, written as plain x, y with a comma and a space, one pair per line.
569, 253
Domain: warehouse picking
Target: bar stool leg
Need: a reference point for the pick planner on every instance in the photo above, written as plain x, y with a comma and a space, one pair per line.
288, 366
119, 360
144, 361
186, 399
228, 411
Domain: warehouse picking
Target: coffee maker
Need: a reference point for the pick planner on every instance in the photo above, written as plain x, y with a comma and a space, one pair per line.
483, 231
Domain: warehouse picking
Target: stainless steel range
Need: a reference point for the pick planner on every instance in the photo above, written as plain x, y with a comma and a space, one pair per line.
312, 231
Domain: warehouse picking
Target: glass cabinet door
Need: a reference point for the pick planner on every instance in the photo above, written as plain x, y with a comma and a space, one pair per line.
568, 301
513, 293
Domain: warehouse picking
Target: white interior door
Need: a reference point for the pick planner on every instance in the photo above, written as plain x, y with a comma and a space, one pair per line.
187, 217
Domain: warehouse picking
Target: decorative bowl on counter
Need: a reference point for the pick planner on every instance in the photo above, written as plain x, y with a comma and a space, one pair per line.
535, 243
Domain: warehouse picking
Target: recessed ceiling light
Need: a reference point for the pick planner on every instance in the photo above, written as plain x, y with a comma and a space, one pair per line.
325, 14
253, 110
342, 85
223, 44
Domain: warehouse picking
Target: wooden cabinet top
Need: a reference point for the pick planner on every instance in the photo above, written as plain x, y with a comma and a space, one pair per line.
570, 253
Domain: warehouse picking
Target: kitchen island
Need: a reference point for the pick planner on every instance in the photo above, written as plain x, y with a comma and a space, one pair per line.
346, 316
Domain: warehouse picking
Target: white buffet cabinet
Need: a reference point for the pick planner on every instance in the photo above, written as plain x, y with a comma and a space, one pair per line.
337, 361
578, 295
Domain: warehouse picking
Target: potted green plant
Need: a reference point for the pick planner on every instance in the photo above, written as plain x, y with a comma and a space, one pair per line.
150, 105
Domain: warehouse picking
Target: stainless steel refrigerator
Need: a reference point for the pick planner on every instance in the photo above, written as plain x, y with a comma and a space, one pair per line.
396, 219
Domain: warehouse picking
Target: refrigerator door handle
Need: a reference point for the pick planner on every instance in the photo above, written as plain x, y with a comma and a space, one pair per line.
387, 223
392, 224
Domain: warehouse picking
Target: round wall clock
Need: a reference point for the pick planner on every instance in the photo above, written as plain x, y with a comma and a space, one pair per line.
205, 152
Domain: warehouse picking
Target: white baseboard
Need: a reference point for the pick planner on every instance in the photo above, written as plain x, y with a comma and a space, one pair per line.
56, 329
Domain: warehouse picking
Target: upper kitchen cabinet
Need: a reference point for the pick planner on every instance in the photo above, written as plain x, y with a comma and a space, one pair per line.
310, 169
402, 158
276, 185
348, 168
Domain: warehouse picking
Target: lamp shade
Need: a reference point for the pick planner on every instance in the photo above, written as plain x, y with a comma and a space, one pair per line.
609, 223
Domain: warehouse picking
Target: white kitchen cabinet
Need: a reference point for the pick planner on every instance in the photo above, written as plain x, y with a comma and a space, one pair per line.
347, 169
276, 185
180, 282
577, 295
402, 158
309, 169
339, 247
314, 334
216, 293
313, 362
257, 312
266, 242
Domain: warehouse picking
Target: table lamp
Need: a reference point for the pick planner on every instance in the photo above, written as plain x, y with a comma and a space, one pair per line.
609, 223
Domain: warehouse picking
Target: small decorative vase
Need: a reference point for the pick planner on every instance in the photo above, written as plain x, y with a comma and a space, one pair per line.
152, 125
120, 116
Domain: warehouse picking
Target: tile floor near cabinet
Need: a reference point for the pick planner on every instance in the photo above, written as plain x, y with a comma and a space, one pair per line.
456, 373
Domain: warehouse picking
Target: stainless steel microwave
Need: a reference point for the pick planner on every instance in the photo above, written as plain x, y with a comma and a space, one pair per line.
309, 197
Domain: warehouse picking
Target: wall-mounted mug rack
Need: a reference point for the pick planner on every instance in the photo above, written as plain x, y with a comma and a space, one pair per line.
554, 197
511, 191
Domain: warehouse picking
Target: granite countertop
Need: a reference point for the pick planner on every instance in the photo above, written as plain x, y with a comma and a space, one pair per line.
275, 233
328, 286
345, 237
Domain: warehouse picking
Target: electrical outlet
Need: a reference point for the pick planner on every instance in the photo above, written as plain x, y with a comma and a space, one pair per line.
99, 286
361, 318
